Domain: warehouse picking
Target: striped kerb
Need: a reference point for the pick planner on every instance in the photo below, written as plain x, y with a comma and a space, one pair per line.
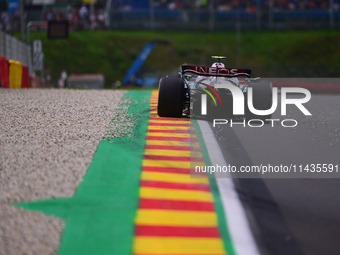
176, 213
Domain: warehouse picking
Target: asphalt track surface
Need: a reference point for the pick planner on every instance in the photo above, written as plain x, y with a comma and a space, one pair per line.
290, 215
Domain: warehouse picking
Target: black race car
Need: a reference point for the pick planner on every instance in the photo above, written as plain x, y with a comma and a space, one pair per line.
216, 91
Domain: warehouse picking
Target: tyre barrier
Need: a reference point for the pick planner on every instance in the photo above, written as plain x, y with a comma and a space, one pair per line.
13, 74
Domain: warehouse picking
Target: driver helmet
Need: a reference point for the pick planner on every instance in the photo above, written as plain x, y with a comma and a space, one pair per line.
218, 65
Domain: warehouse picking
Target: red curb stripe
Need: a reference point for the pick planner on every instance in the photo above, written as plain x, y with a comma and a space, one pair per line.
173, 158
176, 205
169, 131
166, 170
164, 138
171, 185
208, 232
169, 124
171, 147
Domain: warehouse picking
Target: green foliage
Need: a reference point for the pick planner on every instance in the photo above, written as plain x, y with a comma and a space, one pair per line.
281, 54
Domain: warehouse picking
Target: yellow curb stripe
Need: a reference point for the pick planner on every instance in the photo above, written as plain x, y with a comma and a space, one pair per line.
170, 135
177, 245
169, 128
154, 217
171, 143
175, 194
172, 178
174, 153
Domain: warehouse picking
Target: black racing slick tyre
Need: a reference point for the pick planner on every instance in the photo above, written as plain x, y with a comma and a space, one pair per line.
171, 97
262, 99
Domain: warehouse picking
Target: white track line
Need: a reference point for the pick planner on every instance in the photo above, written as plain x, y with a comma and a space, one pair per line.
238, 226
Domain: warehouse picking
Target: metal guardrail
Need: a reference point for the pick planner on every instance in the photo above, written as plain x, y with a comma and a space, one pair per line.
12, 48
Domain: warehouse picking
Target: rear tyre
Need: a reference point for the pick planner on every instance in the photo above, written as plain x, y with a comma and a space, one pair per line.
171, 97
262, 99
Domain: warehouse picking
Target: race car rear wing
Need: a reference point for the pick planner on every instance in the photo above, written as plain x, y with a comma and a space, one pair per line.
215, 71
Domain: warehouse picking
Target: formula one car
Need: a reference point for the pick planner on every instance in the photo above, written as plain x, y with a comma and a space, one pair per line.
210, 92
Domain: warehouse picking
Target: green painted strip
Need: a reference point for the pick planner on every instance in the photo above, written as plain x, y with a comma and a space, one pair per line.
222, 221
100, 216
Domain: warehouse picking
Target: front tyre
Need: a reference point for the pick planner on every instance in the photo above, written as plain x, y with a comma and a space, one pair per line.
171, 97
262, 99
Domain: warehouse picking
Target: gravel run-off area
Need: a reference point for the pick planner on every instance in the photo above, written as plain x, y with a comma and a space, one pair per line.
47, 140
